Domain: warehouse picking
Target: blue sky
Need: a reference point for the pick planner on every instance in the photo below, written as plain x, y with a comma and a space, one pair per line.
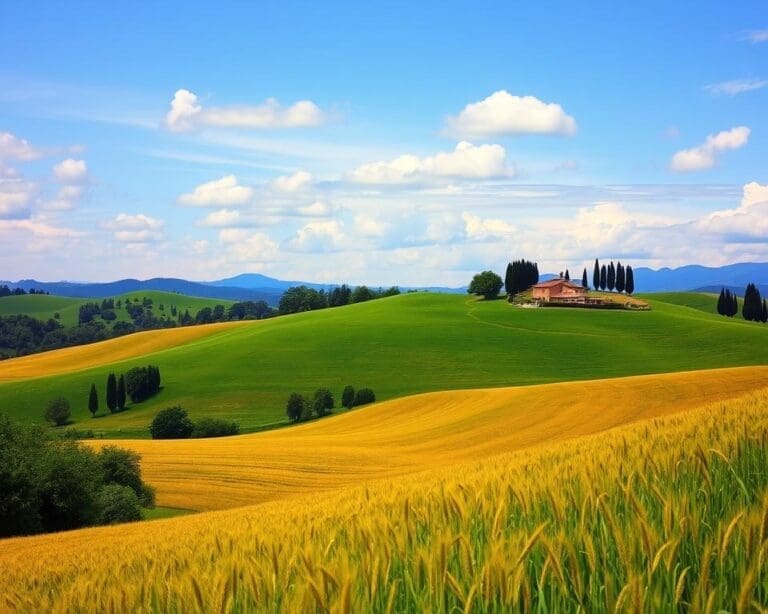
410, 144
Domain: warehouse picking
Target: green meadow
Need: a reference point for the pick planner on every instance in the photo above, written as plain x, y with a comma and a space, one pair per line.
398, 346
44, 307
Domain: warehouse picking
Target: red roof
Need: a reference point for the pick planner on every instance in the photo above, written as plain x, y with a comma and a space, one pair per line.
555, 282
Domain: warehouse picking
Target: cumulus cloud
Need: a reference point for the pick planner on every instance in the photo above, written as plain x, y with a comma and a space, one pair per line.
318, 237
756, 36
704, 156
478, 228
467, 161
220, 192
70, 171
15, 198
316, 209
14, 148
253, 248
297, 182
737, 86
370, 226
138, 228
186, 113
747, 222
502, 113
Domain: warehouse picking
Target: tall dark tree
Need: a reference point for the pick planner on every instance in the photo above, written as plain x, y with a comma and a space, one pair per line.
111, 393
721, 302
567, 275
508, 279
603, 277
596, 275
764, 315
521, 275
93, 401
121, 394
752, 309
629, 282
584, 283
611, 274
620, 278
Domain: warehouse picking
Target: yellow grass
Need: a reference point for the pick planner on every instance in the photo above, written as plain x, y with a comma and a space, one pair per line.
81, 357
416, 433
666, 514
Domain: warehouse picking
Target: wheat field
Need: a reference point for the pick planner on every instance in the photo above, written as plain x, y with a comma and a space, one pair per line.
415, 433
669, 513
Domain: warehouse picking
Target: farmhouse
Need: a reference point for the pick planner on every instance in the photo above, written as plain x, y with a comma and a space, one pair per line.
559, 291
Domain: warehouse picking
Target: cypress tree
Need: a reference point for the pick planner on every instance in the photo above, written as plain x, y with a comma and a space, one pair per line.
508, 278
764, 315
120, 398
629, 282
721, 302
567, 275
111, 393
93, 401
596, 276
611, 281
620, 278
603, 278
584, 283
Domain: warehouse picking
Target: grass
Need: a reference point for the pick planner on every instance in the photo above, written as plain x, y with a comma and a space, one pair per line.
43, 307
669, 514
700, 301
411, 434
398, 346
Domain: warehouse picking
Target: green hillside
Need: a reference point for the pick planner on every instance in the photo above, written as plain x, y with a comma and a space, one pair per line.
403, 345
695, 300
44, 307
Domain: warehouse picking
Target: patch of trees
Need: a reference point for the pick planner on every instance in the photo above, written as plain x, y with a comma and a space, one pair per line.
53, 485
321, 403
175, 423
142, 382
727, 303
520, 275
487, 284
21, 335
612, 277
754, 309
6, 291
301, 298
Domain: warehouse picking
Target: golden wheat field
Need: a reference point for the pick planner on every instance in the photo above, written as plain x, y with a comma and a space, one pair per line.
415, 433
81, 357
666, 514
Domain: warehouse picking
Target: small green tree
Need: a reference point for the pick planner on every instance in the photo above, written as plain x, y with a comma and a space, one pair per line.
111, 393
296, 408
93, 401
58, 411
121, 395
322, 403
364, 396
117, 503
171, 423
348, 397
487, 284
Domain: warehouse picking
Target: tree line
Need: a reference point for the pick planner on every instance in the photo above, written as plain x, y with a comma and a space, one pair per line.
297, 299
6, 291
520, 275
54, 485
175, 423
612, 277
299, 407
138, 383
754, 308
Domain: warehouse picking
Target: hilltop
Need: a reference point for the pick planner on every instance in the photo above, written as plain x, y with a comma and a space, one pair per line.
398, 346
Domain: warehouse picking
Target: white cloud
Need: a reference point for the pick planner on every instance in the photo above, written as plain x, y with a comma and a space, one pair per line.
71, 171
369, 226
478, 228
737, 86
297, 182
318, 237
467, 161
220, 192
502, 113
748, 221
704, 156
253, 248
187, 113
316, 209
756, 36
14, 148
15, 198
138, 228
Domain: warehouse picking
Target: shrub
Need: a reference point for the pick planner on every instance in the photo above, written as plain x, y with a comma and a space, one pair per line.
117, 503
364, 396
73, 433
322, 402
171, 423
214, 427
348, 397
58, 411
297, 407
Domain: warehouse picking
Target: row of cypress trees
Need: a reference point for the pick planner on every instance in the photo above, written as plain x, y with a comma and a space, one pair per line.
520, 275
727, 303
116, 395
612, 277
754, 308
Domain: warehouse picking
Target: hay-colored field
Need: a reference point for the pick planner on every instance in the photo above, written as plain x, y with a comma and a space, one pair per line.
68, 360
415, 433
669, 514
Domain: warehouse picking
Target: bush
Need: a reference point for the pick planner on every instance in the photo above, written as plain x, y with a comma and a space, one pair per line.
117, 504
364, 396
171, 423
58, 411
322, 402
73, 433
213, 427
348, 397
297, 407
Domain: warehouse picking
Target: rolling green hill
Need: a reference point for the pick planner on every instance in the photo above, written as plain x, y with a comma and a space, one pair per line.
44, 307
695, 300
401, 345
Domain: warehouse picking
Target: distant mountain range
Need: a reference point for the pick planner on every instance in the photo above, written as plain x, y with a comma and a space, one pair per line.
254, 287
